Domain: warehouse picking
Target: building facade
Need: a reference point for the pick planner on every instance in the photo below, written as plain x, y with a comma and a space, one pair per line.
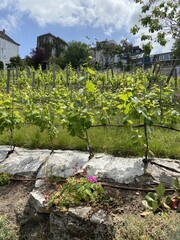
54, 46
137, 56
109, 53
105, 53
8, 48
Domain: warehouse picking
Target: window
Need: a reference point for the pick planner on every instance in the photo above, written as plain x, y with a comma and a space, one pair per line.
167, 57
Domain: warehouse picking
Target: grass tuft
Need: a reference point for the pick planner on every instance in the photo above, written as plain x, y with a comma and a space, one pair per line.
6, 230
152, 227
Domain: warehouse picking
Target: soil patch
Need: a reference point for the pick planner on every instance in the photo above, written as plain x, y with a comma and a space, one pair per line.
14, 204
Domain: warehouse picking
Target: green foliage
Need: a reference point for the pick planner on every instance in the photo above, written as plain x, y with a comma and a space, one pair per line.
160, 18
176, 186
154, 200
79, 102
157, 201
76, 54
6, 231
76, 191
126, 52
4, 178
28, 61
109, 51
15, 62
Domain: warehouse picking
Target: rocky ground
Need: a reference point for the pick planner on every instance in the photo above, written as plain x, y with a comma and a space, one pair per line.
14, 204
127, 204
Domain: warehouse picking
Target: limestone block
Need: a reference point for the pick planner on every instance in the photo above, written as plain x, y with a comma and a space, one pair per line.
24, 162
76, 224
37, 201
120, 170
63, 163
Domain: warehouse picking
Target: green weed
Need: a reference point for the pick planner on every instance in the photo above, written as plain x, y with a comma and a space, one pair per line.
6, 231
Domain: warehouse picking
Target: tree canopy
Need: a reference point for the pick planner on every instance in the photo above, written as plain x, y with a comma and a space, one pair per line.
126, 50
161, 18
14, 62
76, 53
38, 56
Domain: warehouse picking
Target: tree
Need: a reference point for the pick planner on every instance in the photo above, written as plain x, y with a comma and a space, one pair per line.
15, 62
28, 61
76, 53
126, 51
161, 18
39, 57
60, 61
109, 50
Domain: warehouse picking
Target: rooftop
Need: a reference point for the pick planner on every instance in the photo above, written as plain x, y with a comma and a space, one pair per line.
50, 35
4, 36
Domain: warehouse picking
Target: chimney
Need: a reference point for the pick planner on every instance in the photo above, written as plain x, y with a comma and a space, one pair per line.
3, 31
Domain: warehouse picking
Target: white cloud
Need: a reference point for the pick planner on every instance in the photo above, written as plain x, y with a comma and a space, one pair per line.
10, 22
5, 3
110, 15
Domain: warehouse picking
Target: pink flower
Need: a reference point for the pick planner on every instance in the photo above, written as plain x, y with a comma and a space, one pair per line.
92, 179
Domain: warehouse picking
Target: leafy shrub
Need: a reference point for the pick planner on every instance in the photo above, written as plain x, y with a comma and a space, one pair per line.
4, 178
76, 191
157, 201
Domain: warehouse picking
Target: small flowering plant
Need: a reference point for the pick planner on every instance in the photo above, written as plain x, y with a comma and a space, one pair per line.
77, 191
92, 179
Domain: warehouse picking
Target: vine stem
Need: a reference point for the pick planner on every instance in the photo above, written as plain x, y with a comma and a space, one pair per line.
147, 142
90, 149
11, 140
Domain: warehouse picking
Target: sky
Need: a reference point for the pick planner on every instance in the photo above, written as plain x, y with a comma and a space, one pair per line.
72, 20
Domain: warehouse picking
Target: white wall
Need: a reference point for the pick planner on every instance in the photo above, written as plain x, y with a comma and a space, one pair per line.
7, 50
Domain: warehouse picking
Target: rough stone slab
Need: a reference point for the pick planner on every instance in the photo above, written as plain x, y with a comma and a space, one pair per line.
173, 164
164, 170
83, 212
24, 162
76, 224
99, 217
120, 170
40, 183
63, 163
37, 201
67, 163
